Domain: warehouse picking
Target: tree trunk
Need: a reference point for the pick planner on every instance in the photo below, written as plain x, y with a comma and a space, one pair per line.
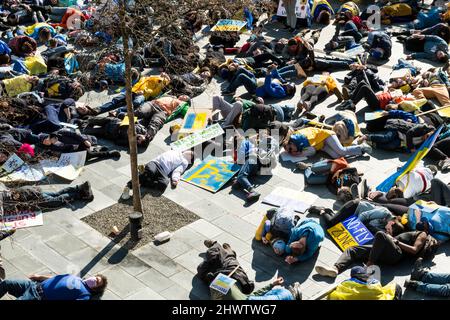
137, 202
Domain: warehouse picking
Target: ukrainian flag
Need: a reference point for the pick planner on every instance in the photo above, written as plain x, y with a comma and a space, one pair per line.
387, 184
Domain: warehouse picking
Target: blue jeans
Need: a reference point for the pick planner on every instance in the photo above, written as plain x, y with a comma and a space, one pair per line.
287, 72
120, 101
244, 78
59, 198
248, 169
318, 172
435, 284
283, 112
387, 140
350, 29
21, 289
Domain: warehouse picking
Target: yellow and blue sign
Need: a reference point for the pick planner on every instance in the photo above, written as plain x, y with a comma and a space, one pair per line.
350, 233
211, 174
228, 25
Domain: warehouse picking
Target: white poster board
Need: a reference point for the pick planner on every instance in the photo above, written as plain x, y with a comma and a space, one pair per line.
197, 138
301, 13
299, 201
68, 166
25, 173
23, 219
13, 163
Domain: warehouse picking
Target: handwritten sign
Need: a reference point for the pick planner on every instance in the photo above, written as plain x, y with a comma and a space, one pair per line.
350, 233
197, 138
228, 25
301, 10
13, 163
25, 173
211, 174
23, 219
68, 166
222, 283
285, 197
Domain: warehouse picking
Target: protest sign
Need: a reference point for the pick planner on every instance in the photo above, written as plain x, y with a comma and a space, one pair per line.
25, 173
350, 233
13, 163
68, 166
211, 174
193, 121
23, 219
228, 25
222, 283
369, 116
300, 9
299, 201
197, 138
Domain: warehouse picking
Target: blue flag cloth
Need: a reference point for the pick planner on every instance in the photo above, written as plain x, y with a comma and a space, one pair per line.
420, 153
249, 17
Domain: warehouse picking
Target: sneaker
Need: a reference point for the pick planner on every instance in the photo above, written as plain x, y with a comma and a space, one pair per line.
295, 289
327, 272
253, 196
114, 154
316, 210
444, 165
6, 233
209, 243
363, 189
411, 284
354, 190
365, 148
126, 194
86, 191
418, 270
302, 166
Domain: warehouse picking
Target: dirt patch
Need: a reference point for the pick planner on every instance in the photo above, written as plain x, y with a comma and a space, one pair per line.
160, 214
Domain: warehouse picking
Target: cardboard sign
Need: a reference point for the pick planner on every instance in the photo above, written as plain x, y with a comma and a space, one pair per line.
25, 173
197, 138
299, 201
68, 166
369, 116
301, 9
222, 283
228, 25
350, 233
211, 174
13, 163
192, 122
23, 219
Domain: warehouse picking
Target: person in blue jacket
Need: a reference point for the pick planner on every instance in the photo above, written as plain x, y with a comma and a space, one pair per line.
426, 19
275, 86
304, 241
427, 47
59, 287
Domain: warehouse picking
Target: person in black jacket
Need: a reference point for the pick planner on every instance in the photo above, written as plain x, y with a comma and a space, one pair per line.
111, 128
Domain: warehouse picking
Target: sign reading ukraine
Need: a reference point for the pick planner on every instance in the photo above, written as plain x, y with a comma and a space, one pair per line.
228, 25
350, 233
211, 174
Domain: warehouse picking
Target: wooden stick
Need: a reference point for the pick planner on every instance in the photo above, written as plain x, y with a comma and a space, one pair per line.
431, 111
234, 270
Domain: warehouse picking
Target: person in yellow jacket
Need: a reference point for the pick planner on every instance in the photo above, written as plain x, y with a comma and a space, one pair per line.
152, 86
361, 287
307, 141
317, 89
17, 85
397, 13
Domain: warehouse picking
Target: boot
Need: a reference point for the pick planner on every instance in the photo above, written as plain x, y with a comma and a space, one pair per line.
411, 284
114, 153
252, 196
316, 210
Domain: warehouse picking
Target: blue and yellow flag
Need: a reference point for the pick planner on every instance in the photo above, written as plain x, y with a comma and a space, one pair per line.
420, 153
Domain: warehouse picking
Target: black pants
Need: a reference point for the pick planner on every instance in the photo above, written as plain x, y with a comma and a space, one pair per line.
398, 206
440, 192
314, 95
262, 60
153, 117
92, 154
363, 91
153, 177
98, 126
331, 64
382, 251
346, 211
440, 150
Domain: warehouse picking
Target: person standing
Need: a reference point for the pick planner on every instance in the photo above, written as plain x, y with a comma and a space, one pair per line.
291, 16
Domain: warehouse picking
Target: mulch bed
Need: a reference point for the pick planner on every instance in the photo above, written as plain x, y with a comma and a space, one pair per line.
160, 214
